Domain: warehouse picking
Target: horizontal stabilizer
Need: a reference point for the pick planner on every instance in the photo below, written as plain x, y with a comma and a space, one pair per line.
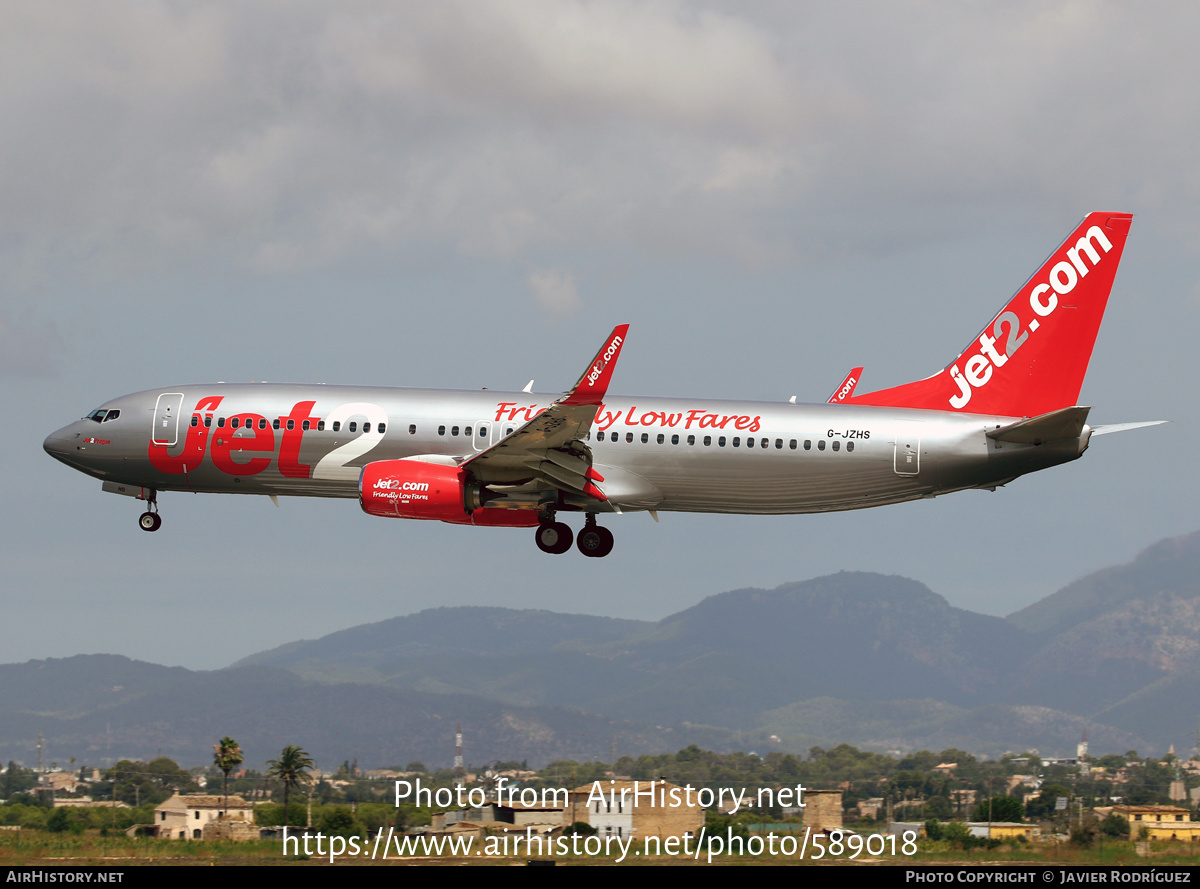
1125, 427
1057, 425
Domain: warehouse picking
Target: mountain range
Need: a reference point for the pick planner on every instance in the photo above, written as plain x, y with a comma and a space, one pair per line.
880, 662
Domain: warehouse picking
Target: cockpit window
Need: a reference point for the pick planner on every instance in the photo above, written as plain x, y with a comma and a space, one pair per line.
111, 415
98, 416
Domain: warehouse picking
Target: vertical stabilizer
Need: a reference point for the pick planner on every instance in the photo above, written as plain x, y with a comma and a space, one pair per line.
1032, 357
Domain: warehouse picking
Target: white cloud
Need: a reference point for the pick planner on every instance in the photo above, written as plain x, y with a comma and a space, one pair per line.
150, 136
554, 291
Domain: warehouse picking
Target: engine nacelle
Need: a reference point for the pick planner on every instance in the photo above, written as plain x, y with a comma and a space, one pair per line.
411, 489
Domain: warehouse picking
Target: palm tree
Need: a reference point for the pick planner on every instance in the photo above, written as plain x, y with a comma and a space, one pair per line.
292, 769
227, 754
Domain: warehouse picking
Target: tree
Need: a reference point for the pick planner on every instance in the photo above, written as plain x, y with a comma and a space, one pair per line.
1116, 826
140, 783
292, 769
999, 808
227, 754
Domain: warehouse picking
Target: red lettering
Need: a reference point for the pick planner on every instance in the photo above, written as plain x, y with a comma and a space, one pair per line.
692, 417
672, 419
192, 453
724, 420
651, 417
226, 443
608, 419
289, 447
629, 421
708, 421
741, 422
502, 407
756, 425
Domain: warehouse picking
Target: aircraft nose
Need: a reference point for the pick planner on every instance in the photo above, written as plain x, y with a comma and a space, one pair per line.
59, 444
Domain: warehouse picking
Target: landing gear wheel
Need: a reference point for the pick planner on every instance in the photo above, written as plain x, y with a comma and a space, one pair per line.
594, 541
553, 538
150, 521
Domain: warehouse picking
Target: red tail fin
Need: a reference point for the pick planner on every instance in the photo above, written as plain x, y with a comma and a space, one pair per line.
1032, 357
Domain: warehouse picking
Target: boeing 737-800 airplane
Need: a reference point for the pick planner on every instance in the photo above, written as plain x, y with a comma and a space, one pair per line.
1004, 407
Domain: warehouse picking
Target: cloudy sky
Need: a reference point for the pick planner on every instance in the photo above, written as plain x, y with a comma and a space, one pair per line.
462, 195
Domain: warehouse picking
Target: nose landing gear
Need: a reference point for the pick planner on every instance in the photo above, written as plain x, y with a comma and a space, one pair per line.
150, 520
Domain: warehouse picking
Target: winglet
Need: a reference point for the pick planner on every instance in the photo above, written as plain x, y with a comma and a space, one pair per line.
592, 386
844, 391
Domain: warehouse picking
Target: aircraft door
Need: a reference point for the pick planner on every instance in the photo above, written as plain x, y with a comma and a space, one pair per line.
483, 435
495, 431
907, 455
165, 429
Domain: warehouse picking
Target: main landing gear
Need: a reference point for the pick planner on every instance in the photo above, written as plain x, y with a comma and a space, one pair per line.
150, 520
555, 538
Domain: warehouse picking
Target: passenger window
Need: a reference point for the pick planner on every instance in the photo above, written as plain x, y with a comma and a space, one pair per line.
412, 429
337, 426
849, 446
275, 423
466, 430
305, 425
366, 427
320, 425
600, 436
736, 441
821, 445
353, 427
645, 437
721, 442
262, 423
764, 443
195, 420
662, 438
233, 423
837, 445
792, 444
629, 438
441, 430
779, 444
691, 439
382, 428
508, 431
220, 422
481, 431
807, 444
707, 440
454, 430
207, 422
674, 439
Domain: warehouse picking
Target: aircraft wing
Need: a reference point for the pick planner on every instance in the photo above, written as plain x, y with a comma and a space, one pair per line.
548, 451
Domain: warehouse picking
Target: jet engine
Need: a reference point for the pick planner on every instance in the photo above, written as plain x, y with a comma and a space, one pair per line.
411, 489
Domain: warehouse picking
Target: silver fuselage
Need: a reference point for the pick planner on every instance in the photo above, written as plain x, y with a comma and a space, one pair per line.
654, 453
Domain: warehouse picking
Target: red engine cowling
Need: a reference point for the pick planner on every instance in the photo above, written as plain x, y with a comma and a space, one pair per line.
410, 489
